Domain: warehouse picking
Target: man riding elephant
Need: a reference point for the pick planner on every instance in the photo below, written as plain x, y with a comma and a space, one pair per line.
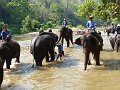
91, 28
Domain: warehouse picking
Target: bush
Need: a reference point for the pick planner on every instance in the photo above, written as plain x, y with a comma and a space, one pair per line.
29, 25
1, 23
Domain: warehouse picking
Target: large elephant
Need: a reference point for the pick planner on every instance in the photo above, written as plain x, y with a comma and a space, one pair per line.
66, 33
90, 44
8, 50
115, 42
1, 72
42, 46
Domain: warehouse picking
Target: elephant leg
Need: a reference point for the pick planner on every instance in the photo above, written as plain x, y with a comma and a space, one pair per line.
62, 41
112, 45
71, 39
36, 61
8, 63
89, 63
1, 75
52, 54
68, 43
47, 57
117, 47
39, 61
86, 59
1, 72
107, 33
17, 59
97, 56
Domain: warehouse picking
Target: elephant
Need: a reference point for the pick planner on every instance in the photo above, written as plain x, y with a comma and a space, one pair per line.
8, 50
1, 72
66, 33
90, 45
42, 46
110, 30
115, 41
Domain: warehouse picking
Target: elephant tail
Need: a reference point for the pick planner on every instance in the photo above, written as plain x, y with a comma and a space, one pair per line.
32, 49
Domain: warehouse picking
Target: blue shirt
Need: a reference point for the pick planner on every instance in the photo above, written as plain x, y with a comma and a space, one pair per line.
64, 23
60, 48
91, 24
118, 29
4, 34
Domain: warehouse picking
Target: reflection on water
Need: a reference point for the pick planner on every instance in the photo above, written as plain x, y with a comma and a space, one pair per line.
66, 74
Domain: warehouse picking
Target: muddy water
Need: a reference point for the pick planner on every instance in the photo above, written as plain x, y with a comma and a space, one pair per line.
66, 74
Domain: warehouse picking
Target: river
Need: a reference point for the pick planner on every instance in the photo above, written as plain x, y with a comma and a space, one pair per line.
65, 74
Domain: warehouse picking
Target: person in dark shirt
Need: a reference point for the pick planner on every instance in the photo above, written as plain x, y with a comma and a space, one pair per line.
5, 33
64, 23
60, 51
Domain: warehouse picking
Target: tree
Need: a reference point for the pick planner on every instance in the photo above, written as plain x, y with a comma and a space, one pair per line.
87, 8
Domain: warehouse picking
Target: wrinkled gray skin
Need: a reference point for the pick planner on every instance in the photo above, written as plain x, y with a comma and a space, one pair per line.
1, 72
9, 50
42, 46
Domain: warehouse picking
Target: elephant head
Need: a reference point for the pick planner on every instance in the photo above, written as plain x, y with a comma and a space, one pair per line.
79, 41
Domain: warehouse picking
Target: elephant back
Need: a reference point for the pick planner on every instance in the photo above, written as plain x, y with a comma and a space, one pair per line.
89, 40
53, 35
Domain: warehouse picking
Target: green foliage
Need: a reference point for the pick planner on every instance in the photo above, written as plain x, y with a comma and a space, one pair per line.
48, 25
86, 9
19, 9
116, 21
1, 23
29, 25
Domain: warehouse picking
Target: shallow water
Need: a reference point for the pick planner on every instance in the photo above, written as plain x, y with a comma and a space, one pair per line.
66, 74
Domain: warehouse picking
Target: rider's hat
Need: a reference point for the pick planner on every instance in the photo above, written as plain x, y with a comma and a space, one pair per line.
90, 17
